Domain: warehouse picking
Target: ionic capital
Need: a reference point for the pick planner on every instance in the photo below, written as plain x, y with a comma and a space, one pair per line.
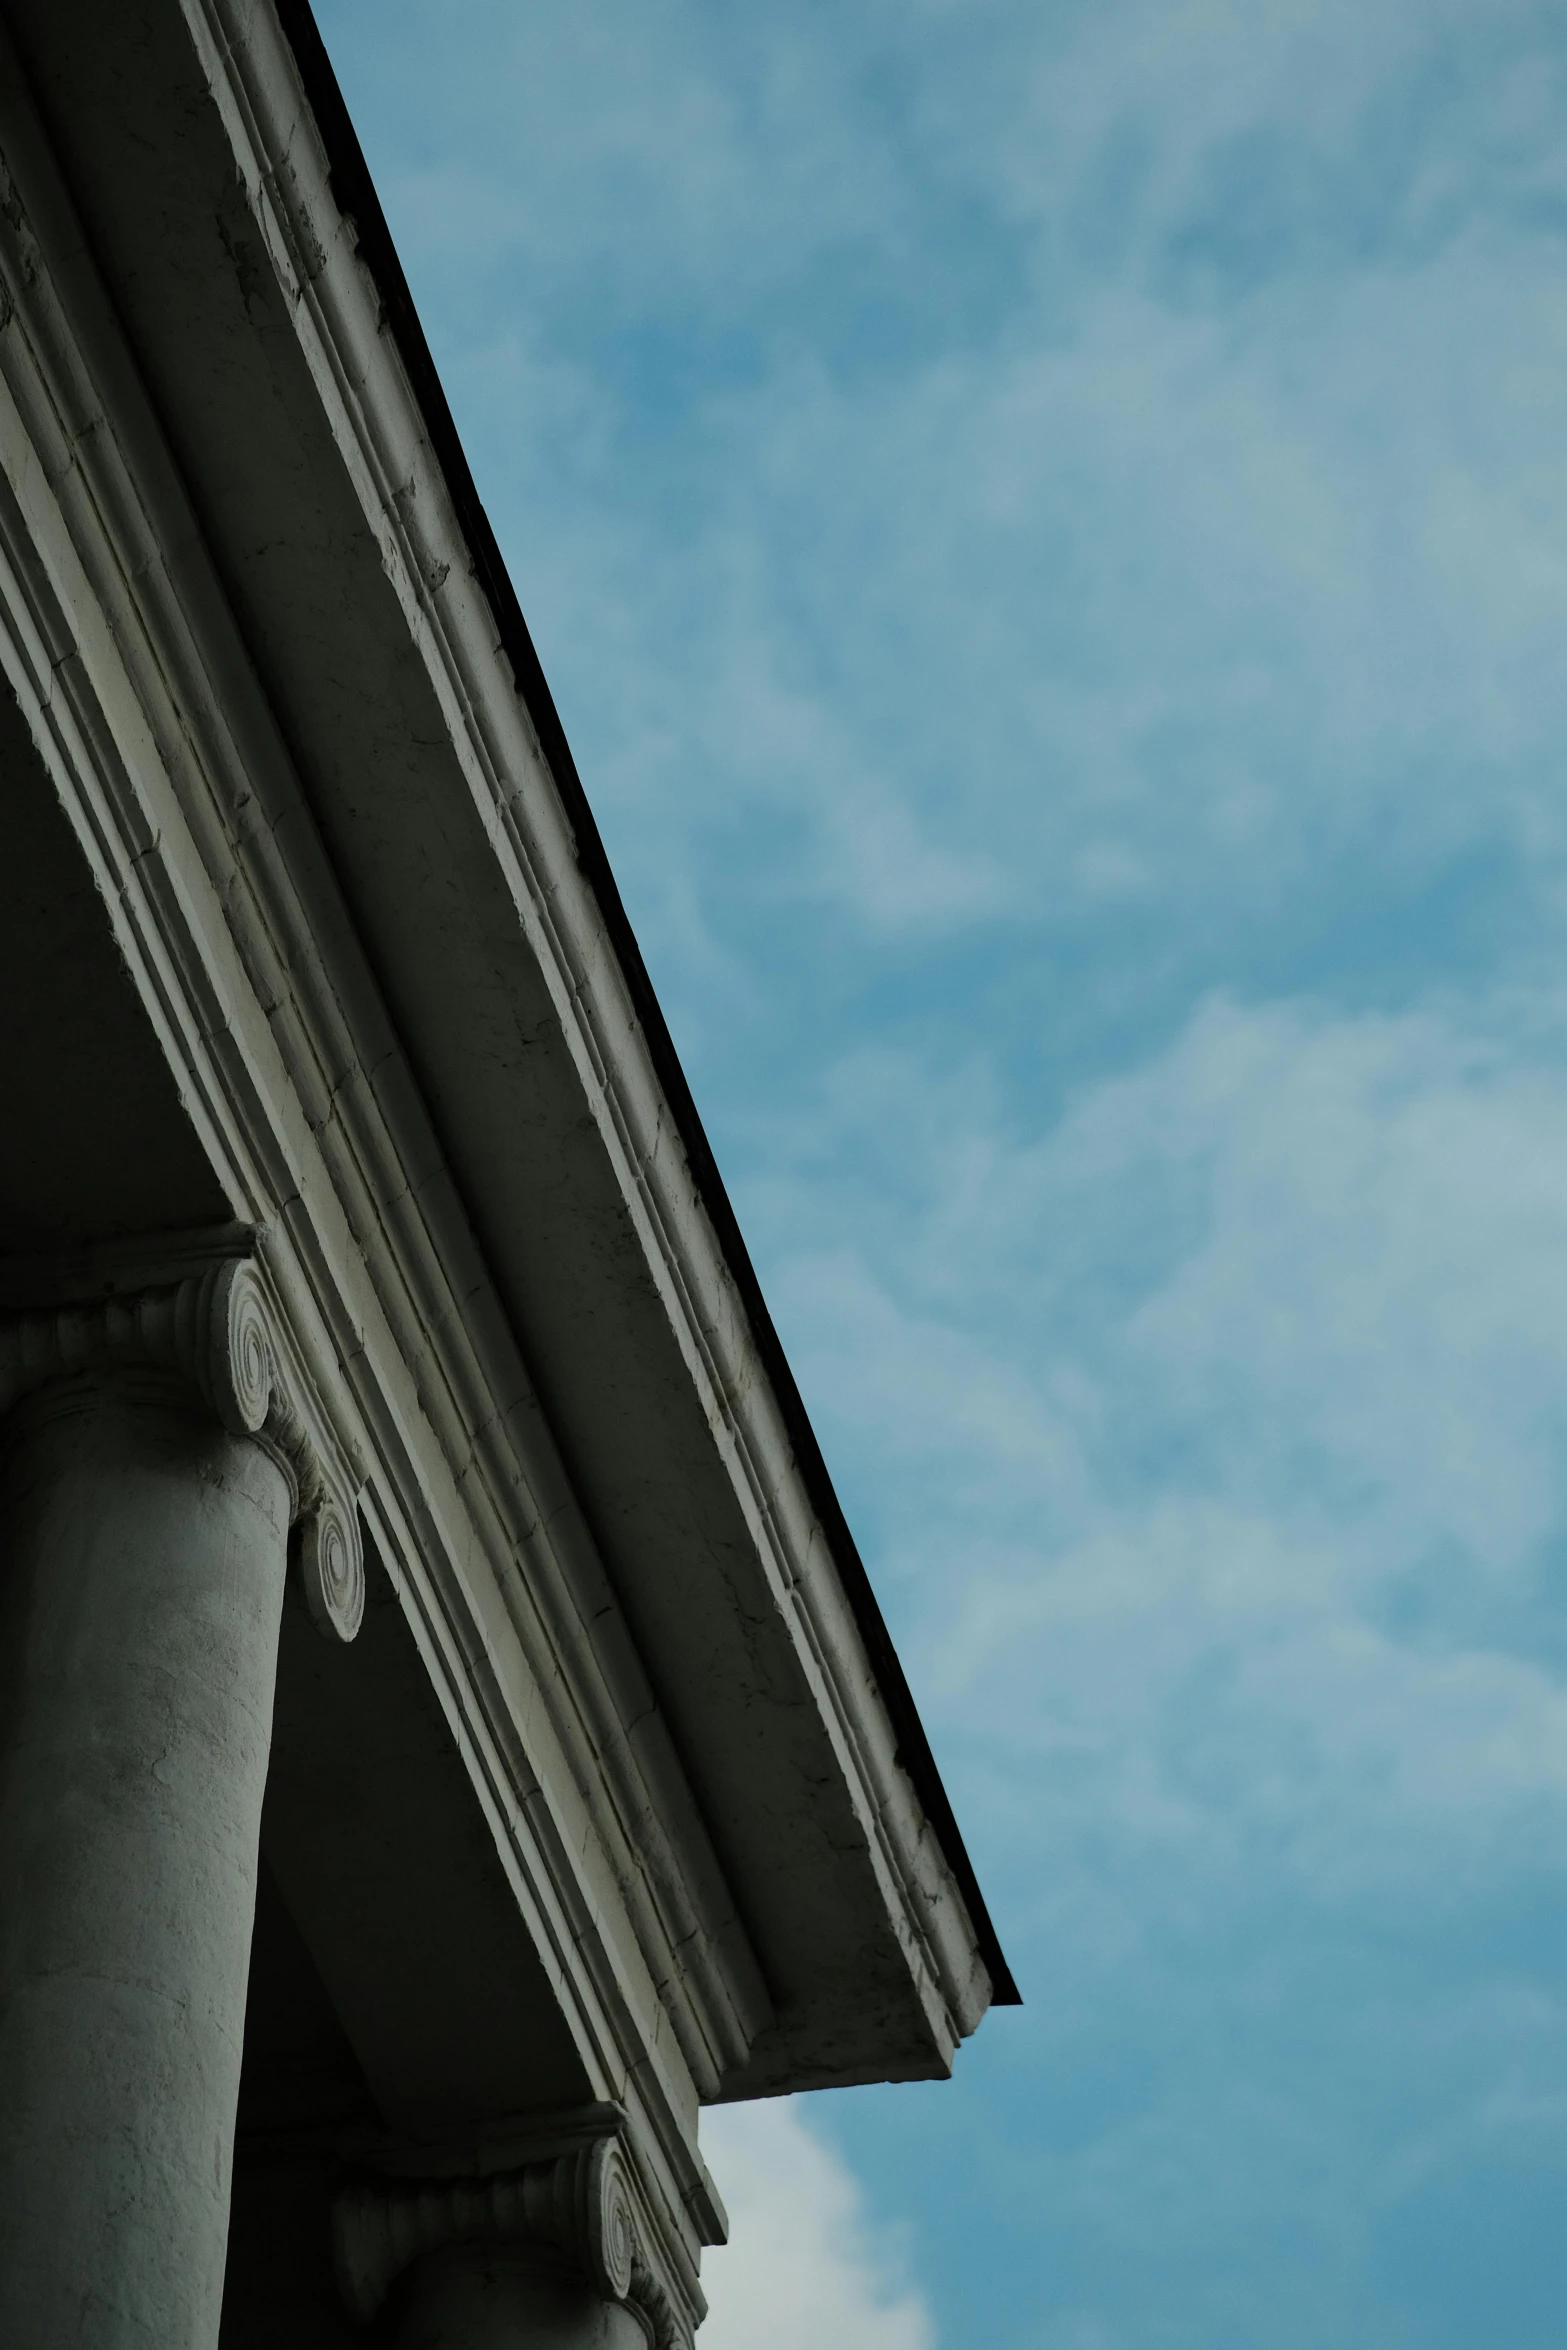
219, 1327
581, 2203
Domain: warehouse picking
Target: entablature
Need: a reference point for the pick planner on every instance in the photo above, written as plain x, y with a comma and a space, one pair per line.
118, 643
265, 669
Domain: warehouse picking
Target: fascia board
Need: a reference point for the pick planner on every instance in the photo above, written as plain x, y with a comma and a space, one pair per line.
401, 452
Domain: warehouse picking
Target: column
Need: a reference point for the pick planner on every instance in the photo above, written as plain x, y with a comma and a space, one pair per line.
150, 1464
142, 1559
489, 2297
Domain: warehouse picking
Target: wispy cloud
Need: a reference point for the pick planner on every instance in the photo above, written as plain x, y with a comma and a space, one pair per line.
1221, 538
1210, 1447
1264, 1340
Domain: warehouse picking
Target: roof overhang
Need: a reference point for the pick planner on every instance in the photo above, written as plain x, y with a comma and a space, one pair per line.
259, 630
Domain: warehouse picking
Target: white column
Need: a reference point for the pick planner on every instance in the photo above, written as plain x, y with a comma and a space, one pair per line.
486, 2297
142, 1560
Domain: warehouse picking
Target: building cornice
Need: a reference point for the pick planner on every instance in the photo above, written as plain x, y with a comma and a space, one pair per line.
354, 196
116, 638
460, 612
204, 1309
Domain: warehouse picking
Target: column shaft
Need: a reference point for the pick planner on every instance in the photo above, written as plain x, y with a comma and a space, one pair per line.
479, 2297
142, 1563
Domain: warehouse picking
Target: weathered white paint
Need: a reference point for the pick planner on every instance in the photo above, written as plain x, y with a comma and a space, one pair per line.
145, 1553
473, 2299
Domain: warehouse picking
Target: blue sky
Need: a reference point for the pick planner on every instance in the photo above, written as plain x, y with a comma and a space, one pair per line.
1047, 525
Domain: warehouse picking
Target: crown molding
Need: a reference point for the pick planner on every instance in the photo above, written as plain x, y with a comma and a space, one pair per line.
117, 640
116, 634
338, 316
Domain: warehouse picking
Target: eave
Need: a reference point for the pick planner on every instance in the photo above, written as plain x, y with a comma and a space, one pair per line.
354, 193
495, 1252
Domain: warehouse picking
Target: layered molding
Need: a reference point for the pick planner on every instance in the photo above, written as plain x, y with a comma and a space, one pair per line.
219, 1325
337, 315
116, 635
117, 639
569, 2191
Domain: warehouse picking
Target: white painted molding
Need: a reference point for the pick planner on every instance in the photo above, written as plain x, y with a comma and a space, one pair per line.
116, 637
381, 436
220, 1327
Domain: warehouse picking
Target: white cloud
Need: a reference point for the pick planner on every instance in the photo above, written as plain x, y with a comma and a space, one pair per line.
804, 2269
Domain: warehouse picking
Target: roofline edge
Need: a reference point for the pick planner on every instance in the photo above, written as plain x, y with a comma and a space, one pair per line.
351, 179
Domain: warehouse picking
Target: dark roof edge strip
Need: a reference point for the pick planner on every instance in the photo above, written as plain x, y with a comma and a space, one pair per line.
356, 196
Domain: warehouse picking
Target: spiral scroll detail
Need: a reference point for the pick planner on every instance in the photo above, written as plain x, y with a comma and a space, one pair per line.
242, 1367
331, 1567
